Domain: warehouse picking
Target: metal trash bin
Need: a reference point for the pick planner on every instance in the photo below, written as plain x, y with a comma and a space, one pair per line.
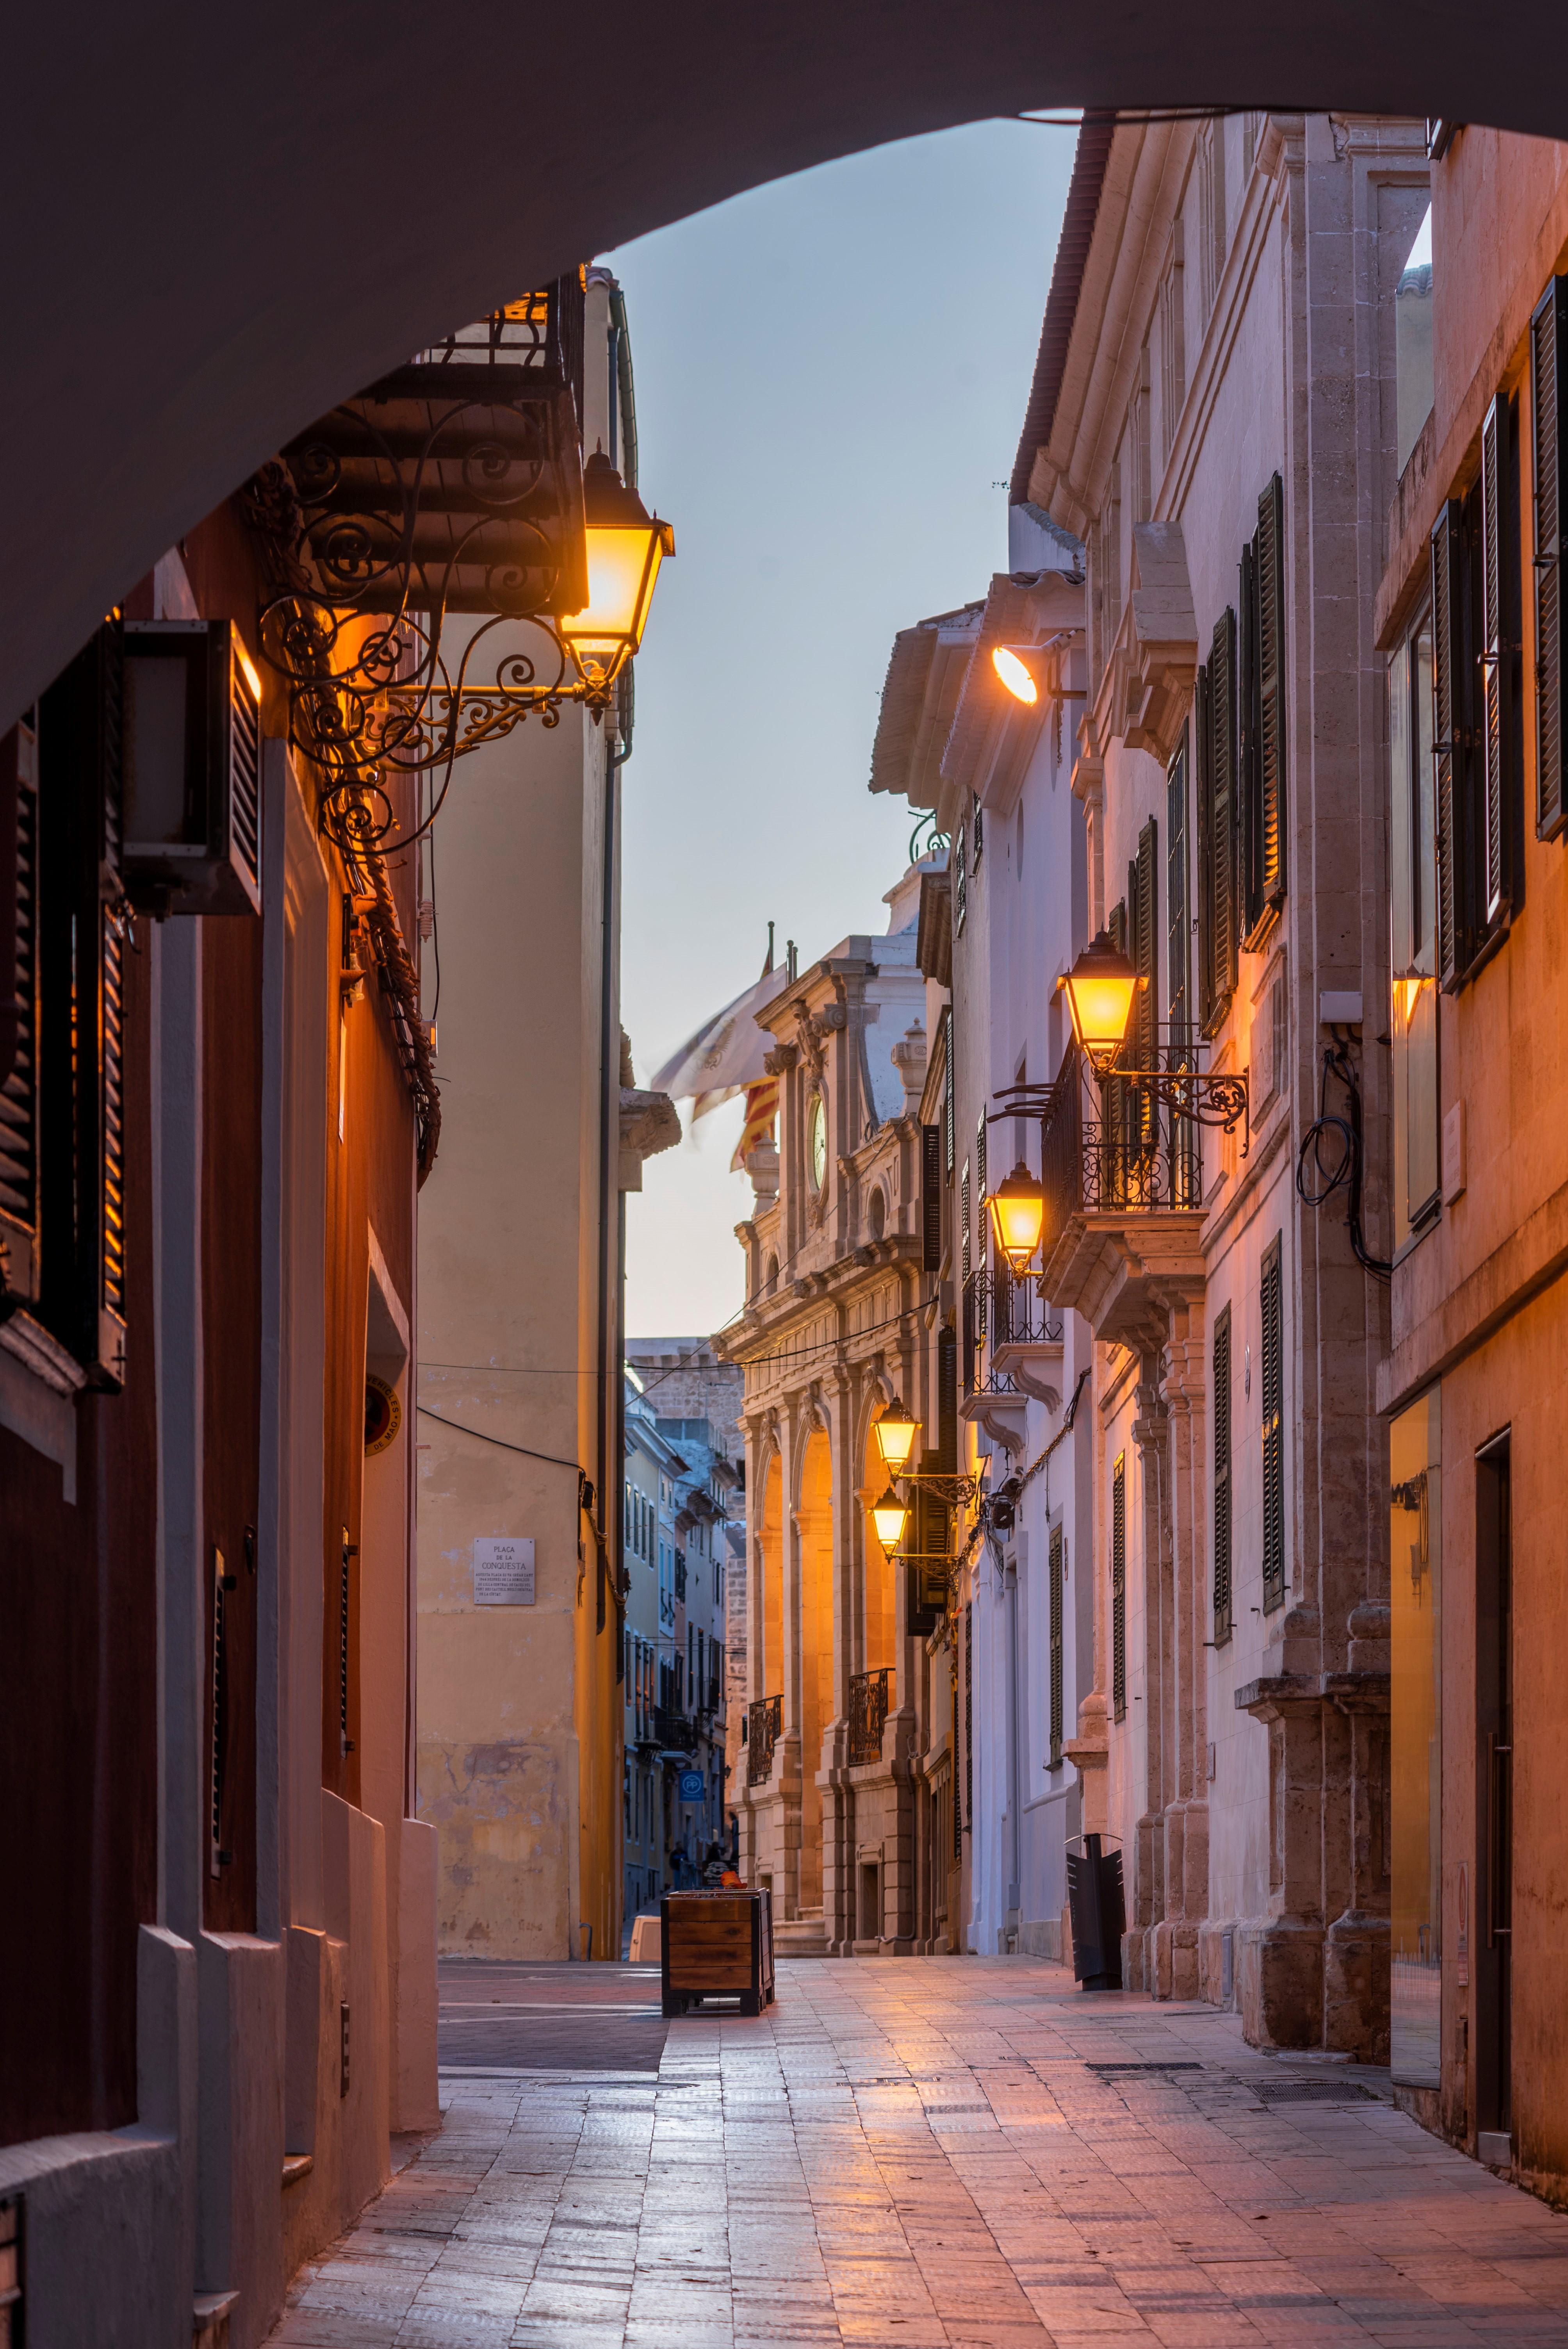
1099, 1911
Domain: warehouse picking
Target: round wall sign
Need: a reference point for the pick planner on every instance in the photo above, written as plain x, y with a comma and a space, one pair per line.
383, 1415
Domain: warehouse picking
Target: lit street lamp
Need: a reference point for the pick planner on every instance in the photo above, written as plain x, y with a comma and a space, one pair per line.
895, 1432
890, 1515
1099, 989
1017, 1215
627, 545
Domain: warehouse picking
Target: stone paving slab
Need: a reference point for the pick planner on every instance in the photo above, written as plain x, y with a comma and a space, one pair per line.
917, 2152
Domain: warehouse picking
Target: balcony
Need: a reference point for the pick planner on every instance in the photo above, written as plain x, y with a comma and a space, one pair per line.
869, 1699
764, 1727
1012, 1352
673, 1731
1122, 1173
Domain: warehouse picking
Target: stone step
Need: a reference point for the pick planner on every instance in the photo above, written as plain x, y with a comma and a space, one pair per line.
804, 1936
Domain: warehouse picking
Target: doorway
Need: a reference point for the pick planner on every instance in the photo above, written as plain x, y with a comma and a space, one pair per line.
1494, 1804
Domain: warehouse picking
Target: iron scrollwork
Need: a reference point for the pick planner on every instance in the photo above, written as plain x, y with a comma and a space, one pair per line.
450, 487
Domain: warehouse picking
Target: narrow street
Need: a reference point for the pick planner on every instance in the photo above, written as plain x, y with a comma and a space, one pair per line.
963, 2152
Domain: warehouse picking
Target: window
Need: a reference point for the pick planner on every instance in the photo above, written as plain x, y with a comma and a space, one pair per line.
1222, 1374
1211, 209
977, 831
949, 1141
817, 1129
1549, 473
1413, 344
1214, 725
1271, 1303
1413, 935
1178, 912
969, 1715
1119, 1588
1477, 683
960, 881
19, 1250
1057, 1563
931, 1198
1262, 713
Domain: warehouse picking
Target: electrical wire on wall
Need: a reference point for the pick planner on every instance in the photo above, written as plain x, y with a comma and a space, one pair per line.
1318, 1177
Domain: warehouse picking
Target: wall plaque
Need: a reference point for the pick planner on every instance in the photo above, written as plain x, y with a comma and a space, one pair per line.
503, 1572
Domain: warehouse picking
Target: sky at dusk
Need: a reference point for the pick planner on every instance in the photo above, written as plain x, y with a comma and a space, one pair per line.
830, 381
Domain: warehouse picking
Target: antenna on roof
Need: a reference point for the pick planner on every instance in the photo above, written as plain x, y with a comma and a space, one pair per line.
769, 963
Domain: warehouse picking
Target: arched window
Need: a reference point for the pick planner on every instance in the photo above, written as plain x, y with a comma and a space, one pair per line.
876, 1211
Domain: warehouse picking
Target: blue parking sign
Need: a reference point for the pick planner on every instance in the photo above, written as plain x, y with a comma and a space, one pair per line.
694, 1786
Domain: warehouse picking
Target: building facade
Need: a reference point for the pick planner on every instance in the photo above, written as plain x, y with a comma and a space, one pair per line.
1470, 627
522, 1246
214, 1117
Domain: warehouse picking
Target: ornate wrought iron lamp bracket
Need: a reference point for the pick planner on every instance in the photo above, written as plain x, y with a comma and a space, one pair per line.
1219, 1099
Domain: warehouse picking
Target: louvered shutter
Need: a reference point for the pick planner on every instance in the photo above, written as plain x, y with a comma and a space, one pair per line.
982, 1226
1204, 792
949, 1138
1272, 1315
966, 1287
1448, 745
1248, 774
1223, 815
1223, 1507
1119, 1587
1548, 416
82, 941
19, 1234
1057, 1686
931, 1198
1496, 699
969, 1716
947, 1399
1271, 697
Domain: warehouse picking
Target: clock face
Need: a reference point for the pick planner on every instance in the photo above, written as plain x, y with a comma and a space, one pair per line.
818, 1141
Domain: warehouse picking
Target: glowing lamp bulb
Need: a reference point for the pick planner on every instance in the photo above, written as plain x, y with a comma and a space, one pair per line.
1018, 1216
890, 1517
896, 1434
1099, 989
1013, 675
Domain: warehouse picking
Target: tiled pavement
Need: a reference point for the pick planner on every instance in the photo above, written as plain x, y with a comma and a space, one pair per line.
922, 2152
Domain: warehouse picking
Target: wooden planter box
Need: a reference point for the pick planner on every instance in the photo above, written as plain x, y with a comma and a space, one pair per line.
718, 1945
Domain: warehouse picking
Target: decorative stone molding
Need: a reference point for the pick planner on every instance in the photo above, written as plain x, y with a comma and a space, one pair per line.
649, 1123
1161, 646
781, 1059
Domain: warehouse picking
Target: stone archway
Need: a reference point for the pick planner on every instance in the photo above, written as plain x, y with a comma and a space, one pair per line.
220, 228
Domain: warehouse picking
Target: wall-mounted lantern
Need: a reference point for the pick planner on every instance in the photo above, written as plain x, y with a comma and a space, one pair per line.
895, 1432
1018, 1216
890, 1515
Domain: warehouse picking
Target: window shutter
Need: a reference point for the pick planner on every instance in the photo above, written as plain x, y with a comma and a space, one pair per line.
1248, 776
1449, 746
1271, 1301
1057, 1690
1549, 470
19, 1236
1222, 1508
981, 1185
947, 1399
931, 1198
1119, 1587
82, 939
1271, 695
960, 882
949, 1141
1221, 876
1496, 699
1178, 946
1146, 944
1202, 749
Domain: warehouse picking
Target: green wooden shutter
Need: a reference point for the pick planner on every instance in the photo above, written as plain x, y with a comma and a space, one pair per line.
1056, 1563
19, 1234
1549, 470
1271, 696
1220, 872
947, 1399
1119, 1588
931, 1198
1272, 1304
1449, 746
1223, 1502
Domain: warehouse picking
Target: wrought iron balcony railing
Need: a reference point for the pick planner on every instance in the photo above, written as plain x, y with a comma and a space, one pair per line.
1134, 1153
764, 1726
1001, 1311
869, 1699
